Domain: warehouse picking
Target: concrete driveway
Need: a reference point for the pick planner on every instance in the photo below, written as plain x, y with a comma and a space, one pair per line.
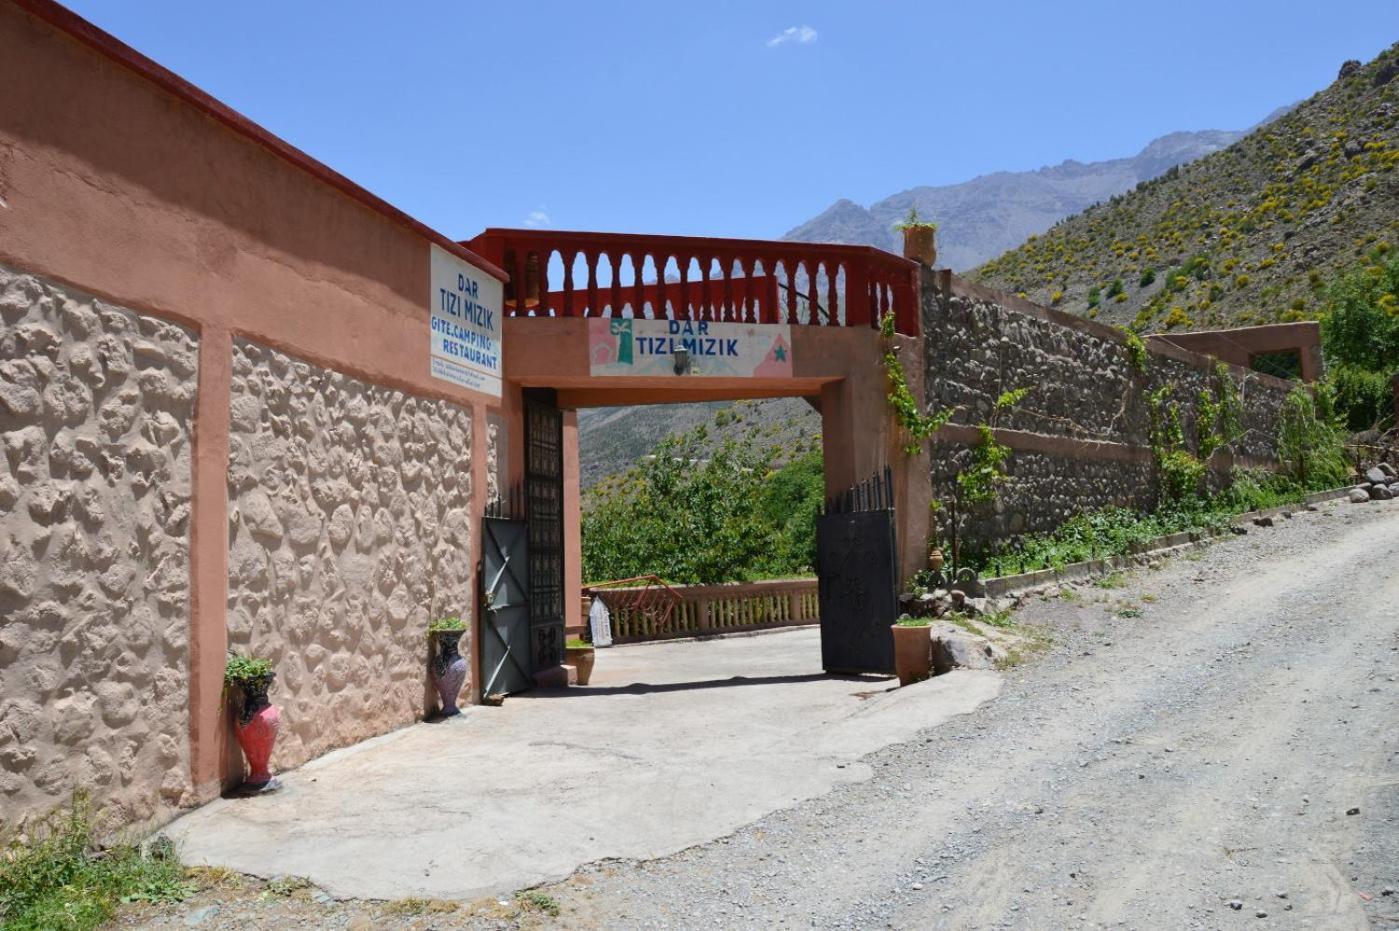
672, 745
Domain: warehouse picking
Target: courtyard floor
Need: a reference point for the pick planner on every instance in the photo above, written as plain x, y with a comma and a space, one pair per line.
672, 745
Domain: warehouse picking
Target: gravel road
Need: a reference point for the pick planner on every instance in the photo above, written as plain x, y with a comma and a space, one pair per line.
1190, 767
1210, 744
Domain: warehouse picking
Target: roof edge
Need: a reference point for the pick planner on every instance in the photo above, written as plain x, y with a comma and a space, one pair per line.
73, 25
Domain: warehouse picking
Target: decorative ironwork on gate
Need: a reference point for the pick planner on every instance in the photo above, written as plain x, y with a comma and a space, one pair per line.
875, 493
544, 514
505, 657
857, 576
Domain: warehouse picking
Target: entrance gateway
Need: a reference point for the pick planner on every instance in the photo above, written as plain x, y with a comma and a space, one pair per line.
618, 320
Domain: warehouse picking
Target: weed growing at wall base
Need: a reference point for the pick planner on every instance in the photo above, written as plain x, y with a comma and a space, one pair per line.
1116, 531
57, 879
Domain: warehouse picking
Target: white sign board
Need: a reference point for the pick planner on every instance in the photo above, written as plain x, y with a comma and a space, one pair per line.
466, 323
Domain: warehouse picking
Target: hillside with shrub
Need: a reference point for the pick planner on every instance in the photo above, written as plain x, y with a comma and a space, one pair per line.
1255, 233
705, 508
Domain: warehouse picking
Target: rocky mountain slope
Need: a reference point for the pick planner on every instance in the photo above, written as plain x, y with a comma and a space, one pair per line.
1247, 235
987, 215
980, 218
610, 439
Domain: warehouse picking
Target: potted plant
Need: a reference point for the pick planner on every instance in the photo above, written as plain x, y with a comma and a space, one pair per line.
256, 719
448, 666
920, 238
580, 654
913, 649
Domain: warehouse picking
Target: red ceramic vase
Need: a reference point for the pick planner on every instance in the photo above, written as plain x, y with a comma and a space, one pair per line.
256, 730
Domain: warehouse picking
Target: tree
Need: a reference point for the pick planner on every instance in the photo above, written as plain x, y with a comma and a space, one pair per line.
692, 514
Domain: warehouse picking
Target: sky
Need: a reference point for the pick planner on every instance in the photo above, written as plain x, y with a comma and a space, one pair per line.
720, 118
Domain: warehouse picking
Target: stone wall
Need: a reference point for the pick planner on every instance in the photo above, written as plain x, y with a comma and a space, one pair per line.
96, 404
1081, 439
349, 530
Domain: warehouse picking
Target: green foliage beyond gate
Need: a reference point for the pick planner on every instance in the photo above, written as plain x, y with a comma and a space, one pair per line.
692, 513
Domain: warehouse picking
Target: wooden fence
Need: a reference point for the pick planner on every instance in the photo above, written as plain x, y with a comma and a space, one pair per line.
641, 613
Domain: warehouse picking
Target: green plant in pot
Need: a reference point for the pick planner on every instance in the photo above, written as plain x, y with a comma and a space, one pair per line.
580, 654
256, 720
913, 649
448, 666
920, 238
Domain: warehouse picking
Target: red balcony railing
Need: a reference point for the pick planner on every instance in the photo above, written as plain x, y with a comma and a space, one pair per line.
568, 274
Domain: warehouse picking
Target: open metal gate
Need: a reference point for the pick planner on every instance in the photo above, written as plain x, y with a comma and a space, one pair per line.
857, 575
505, 628
544, 515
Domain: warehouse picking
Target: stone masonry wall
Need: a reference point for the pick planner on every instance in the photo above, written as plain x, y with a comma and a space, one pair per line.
96, 404
349, 530
1081, 438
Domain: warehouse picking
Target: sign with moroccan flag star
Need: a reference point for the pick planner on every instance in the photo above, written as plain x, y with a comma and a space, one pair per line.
667, 348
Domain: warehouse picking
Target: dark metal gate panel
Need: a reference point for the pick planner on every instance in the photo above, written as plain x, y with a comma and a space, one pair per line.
857, 574
544, 514
505, 628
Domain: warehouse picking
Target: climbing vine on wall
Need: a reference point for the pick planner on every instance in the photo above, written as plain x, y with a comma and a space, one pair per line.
1218, 413
1179, 472
1136, 351
919, 426
977, 483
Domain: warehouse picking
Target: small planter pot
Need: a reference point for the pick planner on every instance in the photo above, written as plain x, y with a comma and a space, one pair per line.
448, 669
581, 659
920, 244
255, 727
936, 560
913, 653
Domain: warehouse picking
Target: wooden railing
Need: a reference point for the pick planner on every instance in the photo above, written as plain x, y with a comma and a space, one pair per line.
696, 278
704, 610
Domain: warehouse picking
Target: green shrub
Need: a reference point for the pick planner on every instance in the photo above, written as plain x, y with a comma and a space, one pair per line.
56, 879
1311, 444
241, 668
1364, 400
697, 515
1148, 276
1360, 323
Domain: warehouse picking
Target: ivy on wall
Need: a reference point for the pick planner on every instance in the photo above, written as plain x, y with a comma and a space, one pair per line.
916, 424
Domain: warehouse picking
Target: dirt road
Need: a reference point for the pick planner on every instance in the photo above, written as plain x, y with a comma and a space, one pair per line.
1211, 745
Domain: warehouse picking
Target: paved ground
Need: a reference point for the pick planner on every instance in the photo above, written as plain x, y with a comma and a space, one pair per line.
1222, 732
671, 745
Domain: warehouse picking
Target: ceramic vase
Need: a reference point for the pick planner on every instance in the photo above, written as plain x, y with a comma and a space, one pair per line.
448, 669
256, 730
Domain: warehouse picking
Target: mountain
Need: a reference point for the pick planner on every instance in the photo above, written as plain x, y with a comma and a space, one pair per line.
981, 218
612, 438
1249, 234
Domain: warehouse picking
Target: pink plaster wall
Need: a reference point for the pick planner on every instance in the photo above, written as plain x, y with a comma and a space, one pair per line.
120, 181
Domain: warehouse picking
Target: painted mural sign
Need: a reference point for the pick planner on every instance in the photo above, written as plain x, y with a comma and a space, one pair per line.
658, 348
466, 323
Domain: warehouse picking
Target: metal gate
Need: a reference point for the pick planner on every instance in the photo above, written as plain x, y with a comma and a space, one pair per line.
857, 575
544, 515
505, 641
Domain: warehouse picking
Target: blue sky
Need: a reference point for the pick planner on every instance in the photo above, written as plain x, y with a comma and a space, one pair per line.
730, 118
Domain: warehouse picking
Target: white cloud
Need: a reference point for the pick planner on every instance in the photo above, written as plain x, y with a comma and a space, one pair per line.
537, 219
802, 35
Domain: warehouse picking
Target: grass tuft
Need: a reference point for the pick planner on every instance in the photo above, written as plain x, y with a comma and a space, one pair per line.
532, 900
54, 876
